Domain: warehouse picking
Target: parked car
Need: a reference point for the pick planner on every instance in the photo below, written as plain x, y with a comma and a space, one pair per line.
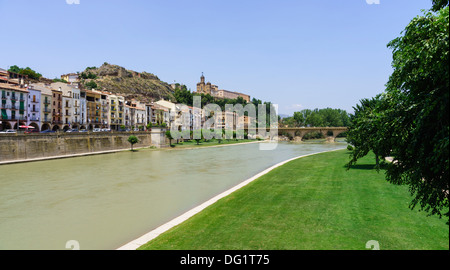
72, 130
48, 131
8, 131
31, 131
106, 130
83, 130
96, 130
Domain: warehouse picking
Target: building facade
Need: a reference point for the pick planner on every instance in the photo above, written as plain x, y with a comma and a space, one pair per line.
213, 90
34, 108
13, 109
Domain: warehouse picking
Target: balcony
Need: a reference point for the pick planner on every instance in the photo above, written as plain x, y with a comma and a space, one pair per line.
15, 118
34, 119
46, 102
35, 101
46, 111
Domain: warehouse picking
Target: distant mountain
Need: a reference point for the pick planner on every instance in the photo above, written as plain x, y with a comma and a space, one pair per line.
142, 86
284, 116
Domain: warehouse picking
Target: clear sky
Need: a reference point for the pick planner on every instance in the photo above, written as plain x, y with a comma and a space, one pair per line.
299, 54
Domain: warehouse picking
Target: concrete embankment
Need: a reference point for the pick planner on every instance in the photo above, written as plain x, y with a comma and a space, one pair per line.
30, 147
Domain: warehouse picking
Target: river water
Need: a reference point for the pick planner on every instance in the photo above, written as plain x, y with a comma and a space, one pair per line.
106, 201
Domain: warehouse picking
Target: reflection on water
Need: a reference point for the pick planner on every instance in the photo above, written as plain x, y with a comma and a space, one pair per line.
108, 200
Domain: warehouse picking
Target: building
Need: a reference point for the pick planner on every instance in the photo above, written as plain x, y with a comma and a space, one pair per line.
105, 108
83, 110
34, 108
57, 109
137, 115
71, 78
117, 111
4, 75
46, 115
206, 88
213, 90
157, 114
13, 109
93, 109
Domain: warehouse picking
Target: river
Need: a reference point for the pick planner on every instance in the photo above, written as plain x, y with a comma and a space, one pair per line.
105, 201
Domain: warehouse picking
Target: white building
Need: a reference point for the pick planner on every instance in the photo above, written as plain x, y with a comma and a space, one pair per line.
34, 108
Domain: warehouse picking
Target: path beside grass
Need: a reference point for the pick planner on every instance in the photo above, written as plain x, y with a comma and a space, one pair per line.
312, 203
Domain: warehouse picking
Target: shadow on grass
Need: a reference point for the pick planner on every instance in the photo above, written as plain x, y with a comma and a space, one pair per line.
367, 166
363, 167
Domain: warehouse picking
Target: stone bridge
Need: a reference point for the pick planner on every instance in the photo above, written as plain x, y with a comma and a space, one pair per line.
298, 133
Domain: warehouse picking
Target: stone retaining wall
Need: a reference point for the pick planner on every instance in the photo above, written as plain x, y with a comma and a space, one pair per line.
30, 146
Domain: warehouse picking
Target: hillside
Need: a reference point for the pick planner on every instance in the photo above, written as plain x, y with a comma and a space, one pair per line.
131, 84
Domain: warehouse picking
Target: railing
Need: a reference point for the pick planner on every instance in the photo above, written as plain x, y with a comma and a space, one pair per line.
14, 118
35, 119
46, 102
46, 110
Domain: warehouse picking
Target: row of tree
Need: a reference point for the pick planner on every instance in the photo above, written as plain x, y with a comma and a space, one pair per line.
327, 117
25, 71
409, 121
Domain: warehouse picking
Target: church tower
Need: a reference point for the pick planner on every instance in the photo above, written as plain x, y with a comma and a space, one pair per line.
201, 86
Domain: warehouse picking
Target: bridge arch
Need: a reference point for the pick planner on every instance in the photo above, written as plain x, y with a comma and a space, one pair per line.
330, 133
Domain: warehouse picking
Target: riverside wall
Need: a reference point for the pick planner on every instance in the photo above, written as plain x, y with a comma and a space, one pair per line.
32, 146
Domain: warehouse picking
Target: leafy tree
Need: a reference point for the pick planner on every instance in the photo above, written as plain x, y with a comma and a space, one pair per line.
25, 71
410, 121
169, 136
91, 85
439, 4
14, 69
133, 140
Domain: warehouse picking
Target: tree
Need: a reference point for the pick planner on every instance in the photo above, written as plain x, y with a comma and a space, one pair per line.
91, 85
411, 123
133, 140
364, 132
439, 4
169, 136
25, 71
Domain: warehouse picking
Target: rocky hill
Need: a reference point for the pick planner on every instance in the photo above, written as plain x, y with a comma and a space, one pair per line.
131, 84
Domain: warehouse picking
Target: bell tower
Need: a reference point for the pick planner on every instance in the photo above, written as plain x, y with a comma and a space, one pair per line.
201, 87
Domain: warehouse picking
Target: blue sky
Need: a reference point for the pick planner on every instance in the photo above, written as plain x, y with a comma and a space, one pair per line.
299, 54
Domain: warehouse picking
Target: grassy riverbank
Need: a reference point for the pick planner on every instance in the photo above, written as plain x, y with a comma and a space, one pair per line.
311, 203
205, 143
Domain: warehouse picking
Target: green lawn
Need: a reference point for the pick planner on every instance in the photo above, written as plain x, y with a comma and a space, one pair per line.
312, 203
203, 143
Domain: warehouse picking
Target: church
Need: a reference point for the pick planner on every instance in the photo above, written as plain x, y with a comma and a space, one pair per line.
213, 90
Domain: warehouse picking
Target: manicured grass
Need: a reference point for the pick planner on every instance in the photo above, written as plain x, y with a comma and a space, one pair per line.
312, 203
203, 143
